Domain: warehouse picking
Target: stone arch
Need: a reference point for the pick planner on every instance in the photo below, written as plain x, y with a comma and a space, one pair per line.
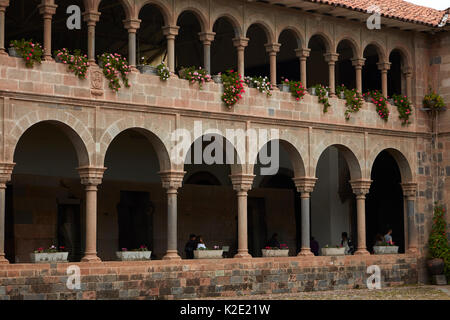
297, 34
380, 50
77, 133
353, 44
203, 21
325, 38
232, 20
402, 161
349, 155
162, 7
404, 53
265, 27
128, 8
120, 126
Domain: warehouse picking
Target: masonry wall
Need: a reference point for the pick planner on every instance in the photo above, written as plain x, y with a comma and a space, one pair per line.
196, 279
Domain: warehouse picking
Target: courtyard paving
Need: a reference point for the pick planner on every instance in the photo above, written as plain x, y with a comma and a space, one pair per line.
392, 293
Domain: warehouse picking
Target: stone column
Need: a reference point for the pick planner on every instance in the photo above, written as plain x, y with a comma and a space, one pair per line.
5, 176
409, 192
305, 186
272, 49
241, 44
91, 19
132, 26
303, 54
91, 177
170, 32
331, 58
3, 5
206, 38
358, 64
384, 67
242, 183
47, 9
171, 181
360, 189
407, 72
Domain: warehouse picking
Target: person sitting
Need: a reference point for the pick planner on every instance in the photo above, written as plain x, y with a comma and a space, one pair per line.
345, 242
314, 246
273, 242
388, 237
200, 243
190, 247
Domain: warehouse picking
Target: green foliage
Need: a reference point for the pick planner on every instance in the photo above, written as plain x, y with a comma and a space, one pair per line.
262, 84
322, 93
377, 98
114, 65
433, 101
76, 62
353, 102
438, 244
163, 71
233, 87
192, 74
31, 52
296, 88
404, 108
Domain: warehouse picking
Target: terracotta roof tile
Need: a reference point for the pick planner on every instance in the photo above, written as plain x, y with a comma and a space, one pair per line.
397, 9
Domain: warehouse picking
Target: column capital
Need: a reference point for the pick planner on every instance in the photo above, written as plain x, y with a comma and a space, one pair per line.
6, 170
91, 176
206, 37
242, 182
358, 62
331, 57
302, 53
132, 25
47, 8
170, 31
240, 42
384, 66
272, 48
409, 190
360, 187
91, 17
172, 180
3, 5
305, 184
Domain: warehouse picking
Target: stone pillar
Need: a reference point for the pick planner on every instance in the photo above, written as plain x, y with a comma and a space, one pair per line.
206, 38
171, 181
241, 44
242, 183
360, 189
132, 26
3, 5
305, 186
331, 58
91, 177
272, 49
170, 32
47, 9
5, 176
91, 19
384, 67
358, 64
303, 54
409, 192
407, 72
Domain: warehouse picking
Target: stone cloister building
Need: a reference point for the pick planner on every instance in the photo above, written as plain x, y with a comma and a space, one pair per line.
91, 169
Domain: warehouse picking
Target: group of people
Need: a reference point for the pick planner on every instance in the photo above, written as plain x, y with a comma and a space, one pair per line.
387, 239
194, 243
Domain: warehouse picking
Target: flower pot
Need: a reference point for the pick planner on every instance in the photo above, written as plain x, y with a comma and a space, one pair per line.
283, 87
385, 249
13, 52
133, 255
342, 95
391, 101
217, 78
208, 254
182, 73
146, 69
275, 252
313, 91
436, 266
333, 251
49, 257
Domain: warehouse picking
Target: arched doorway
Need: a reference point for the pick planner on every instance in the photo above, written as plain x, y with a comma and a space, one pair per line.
188, 47
317, 68
256, 57
223, 52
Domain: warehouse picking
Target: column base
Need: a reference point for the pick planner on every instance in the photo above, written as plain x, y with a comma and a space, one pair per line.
362, 252
243, 255
48, 58
275, 88
171, 255
134, 69
3, 52
173, 75
412, 251
305, 253
3, 260
90, 258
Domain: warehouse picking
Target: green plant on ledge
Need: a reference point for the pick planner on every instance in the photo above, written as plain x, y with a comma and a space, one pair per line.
438, 244
163, 71
262, 84
404, 108
31, 52
233, 87
76, 62
376, 97
433, 101
353, 102
296, 88
192, 74
114, 65
322, 94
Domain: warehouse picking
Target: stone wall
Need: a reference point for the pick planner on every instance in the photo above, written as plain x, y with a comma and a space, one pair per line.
193, 278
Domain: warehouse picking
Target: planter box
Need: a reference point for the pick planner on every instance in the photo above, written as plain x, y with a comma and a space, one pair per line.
333, 251
217, 78
13, 52
208, 254
145, 69
312, 91
284, 87
275, 252
342, 95
49, 257
385, 249
133, 255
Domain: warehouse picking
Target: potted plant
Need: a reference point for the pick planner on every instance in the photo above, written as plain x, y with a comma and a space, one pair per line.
284, 85
386, 248
31, 52
377, 98
297, 89
282, 251
144, 67
233, 87
50, 255
134, 255
77, 63
322, 94
439, 250
192, 74
353, 102
217, 78
340, 91
262, 84
404, 108
163, 71
114, 65
205, 253
312, 91
333, 251
434, 102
